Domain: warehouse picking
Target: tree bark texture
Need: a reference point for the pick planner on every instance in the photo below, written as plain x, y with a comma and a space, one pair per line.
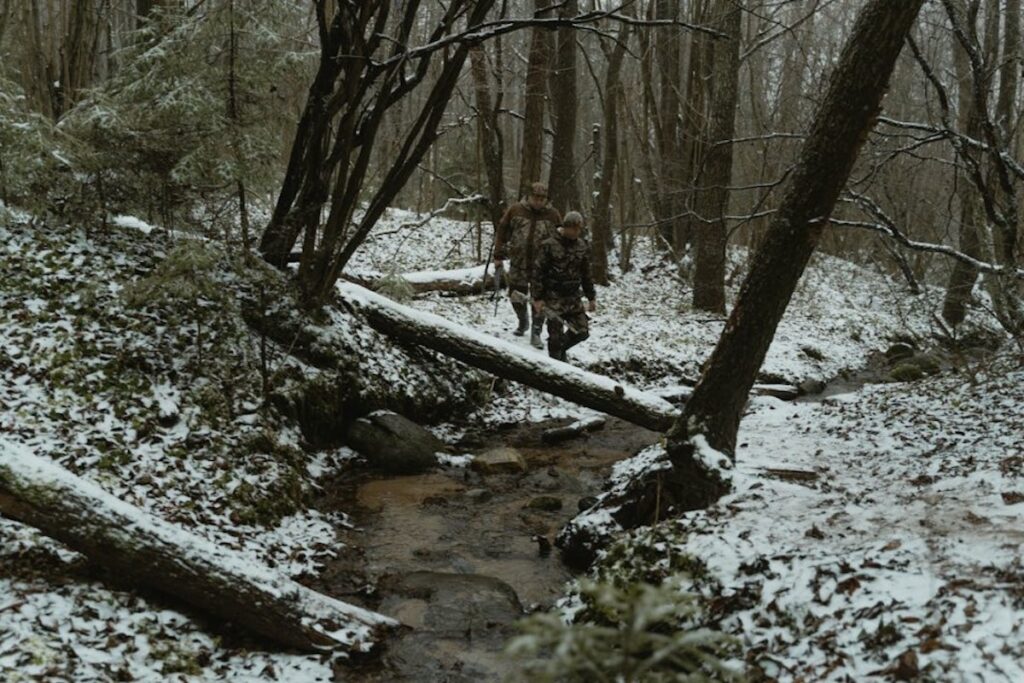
536, 100
667, 114
711, 201
602, 219
563, 184
149, 551
489, 132
969, 116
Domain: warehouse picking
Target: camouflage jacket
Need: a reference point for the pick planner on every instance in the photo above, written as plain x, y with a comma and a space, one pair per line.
562, 269
521, 231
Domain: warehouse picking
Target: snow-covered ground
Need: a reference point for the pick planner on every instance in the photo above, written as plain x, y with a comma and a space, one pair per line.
120, 395
872, 534
908, 538
910, 519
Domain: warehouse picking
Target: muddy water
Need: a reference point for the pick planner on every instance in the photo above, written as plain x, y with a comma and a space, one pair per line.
459, 556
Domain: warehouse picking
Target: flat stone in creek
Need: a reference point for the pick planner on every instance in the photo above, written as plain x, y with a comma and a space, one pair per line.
502, 460
546, 503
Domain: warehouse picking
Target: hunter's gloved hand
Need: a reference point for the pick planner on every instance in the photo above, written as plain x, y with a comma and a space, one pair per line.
538, 306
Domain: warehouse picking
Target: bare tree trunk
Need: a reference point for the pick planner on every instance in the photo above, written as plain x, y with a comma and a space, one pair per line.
60, 46
1006, 291
489, 133
694, 129
5, 17
667, 114
847, 113
712, 201
536, 97
602, 220
964, 275
563, 185
235, 116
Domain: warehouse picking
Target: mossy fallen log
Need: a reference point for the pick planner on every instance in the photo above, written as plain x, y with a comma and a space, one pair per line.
145, 550
455, 282
509, 360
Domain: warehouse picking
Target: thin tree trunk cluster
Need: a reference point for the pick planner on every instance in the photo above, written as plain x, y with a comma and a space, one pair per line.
360, 77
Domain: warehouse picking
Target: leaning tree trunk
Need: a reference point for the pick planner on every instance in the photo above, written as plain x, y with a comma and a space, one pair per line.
509, 360
536, 87
712, 202
563, 187
711, 417
847, 113
138, 547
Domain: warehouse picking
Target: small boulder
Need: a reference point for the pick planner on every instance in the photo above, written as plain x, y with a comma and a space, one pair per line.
906, 372
811, 387
929, 364
899, 351
394, 444
478, 495
499, 461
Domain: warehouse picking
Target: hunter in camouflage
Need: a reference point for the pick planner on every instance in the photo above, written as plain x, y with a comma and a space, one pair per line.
522, 229
561, 274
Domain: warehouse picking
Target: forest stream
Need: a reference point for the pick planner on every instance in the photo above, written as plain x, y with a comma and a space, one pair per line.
460, 555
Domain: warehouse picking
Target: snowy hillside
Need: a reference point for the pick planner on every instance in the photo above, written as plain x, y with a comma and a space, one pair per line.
895, 508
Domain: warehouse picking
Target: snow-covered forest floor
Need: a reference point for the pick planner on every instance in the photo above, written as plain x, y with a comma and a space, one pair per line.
867, 523
864, 524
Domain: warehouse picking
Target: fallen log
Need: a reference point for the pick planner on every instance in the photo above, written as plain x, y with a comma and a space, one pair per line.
457, 282
511, 361
680, 393
157, 554
571, 431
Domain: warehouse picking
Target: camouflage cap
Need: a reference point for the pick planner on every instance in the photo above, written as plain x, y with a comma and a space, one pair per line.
539, 190
573, 218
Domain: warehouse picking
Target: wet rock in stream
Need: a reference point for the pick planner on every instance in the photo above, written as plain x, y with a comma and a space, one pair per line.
459, 626
394, 444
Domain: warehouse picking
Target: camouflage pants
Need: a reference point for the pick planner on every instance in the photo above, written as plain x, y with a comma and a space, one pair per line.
518, 280
567, 327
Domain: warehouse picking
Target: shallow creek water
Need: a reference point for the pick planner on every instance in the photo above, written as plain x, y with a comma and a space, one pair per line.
457, 555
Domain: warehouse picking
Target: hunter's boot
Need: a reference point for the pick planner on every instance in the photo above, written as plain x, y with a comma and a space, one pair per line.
524, 318
569, 341
538, 325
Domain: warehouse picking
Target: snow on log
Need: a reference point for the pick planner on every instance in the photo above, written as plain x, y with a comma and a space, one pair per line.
458, 281
680, 393
512, 361
570, 431
153, 552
